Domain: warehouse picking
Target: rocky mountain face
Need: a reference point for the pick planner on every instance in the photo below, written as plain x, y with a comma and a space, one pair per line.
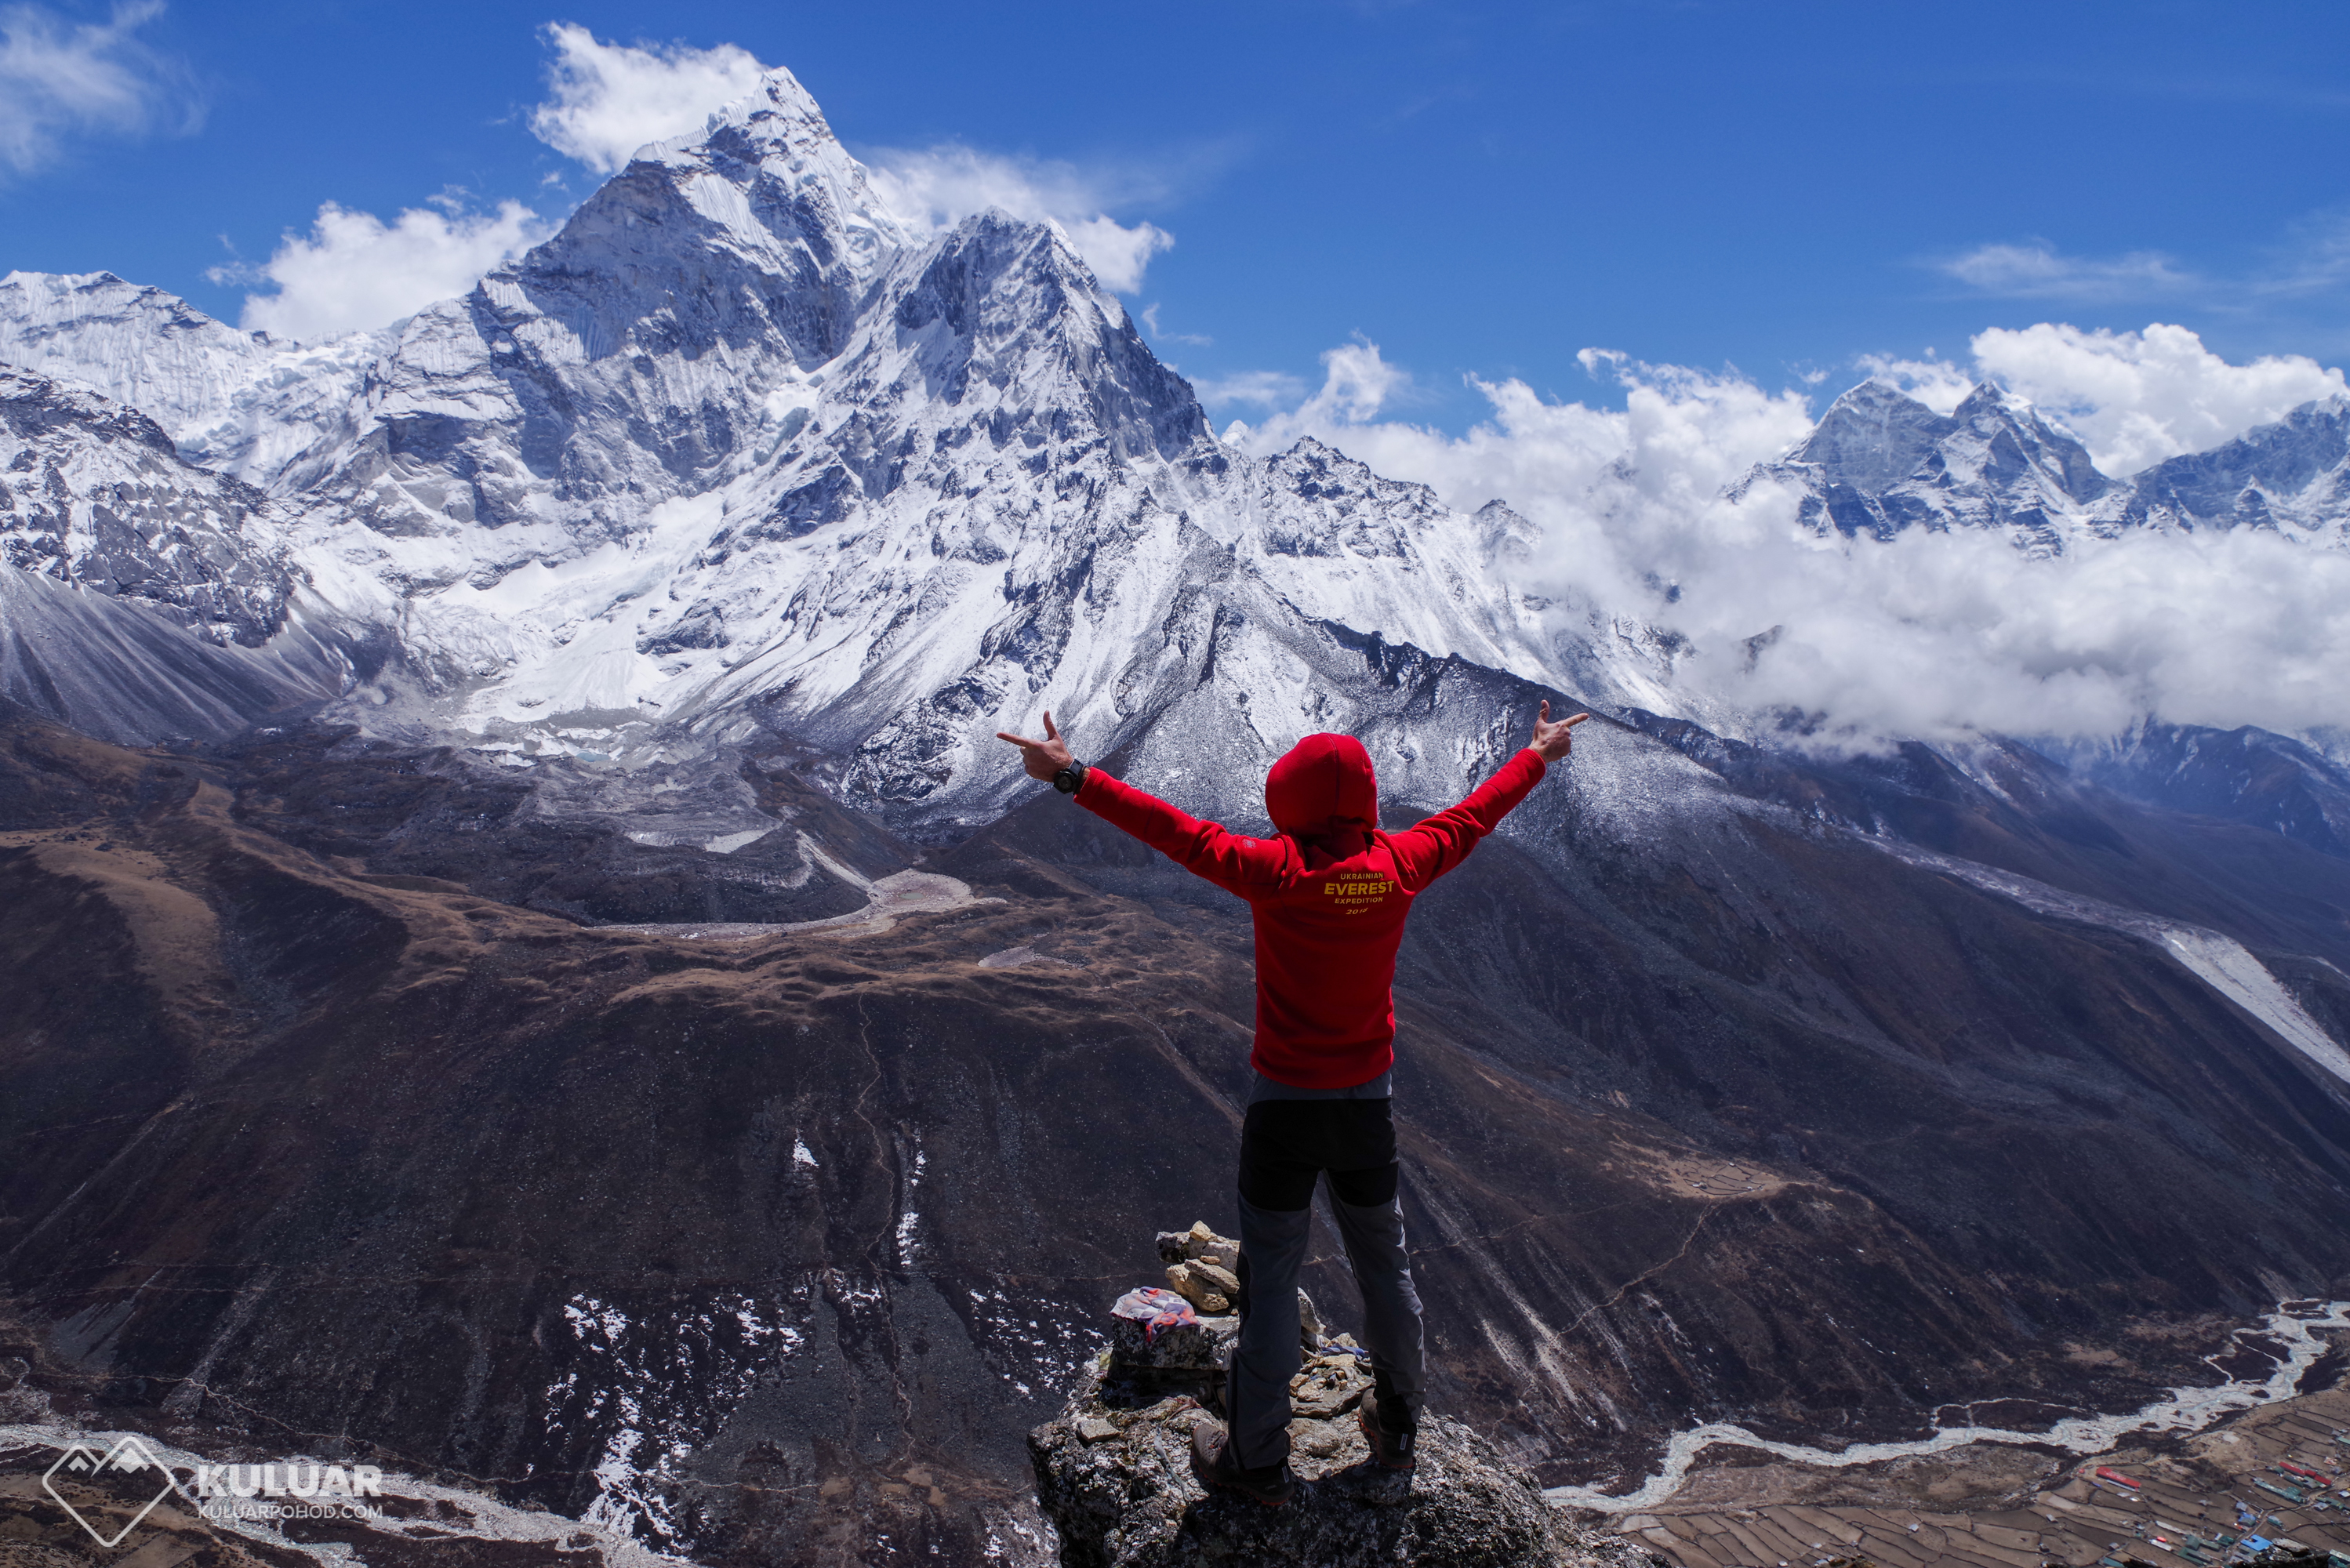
496, 1031
95, 496
2293, 474
1114, 1479
145, 596
2246, 775
238, 402
1880, 462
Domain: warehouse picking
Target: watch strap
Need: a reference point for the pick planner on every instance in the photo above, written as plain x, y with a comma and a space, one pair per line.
1071, 779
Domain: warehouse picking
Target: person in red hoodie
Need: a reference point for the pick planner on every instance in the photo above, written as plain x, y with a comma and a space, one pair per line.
1329, 894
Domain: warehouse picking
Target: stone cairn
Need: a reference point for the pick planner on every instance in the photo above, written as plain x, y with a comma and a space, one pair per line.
1114, 1471
1189, 1359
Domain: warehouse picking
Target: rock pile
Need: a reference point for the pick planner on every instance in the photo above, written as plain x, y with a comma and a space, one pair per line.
1114, 1472
1199, 1266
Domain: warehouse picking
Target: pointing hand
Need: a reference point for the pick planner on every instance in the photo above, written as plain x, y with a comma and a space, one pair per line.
1042, 758
1551, 742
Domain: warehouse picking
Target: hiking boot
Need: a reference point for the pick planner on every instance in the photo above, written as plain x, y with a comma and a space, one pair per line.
1392, 1432
1213, 1462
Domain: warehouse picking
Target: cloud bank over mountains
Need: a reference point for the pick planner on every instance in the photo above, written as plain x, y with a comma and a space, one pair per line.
1936, 635
353, 272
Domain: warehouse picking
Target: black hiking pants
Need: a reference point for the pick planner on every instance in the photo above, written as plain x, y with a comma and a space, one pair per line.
1286, 1146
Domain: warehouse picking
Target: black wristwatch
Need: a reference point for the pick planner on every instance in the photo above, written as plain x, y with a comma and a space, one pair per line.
1071, 779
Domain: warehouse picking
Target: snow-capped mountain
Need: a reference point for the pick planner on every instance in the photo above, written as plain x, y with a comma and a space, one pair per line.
737, 435
2292, 475
239, 402
739, 440
1880, 462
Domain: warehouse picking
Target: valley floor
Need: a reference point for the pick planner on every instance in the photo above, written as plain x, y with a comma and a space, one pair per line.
2218, 1496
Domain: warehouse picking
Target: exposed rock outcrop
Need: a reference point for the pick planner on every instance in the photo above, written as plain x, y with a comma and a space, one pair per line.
1114, 1472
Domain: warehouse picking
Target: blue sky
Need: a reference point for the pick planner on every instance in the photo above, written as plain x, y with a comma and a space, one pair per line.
1479, 189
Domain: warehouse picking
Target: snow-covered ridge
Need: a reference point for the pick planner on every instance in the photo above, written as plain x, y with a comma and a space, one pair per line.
93, 494
1880, 462
737, 438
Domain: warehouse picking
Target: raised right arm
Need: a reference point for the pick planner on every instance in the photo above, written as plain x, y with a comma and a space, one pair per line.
1232, 861
1235, 864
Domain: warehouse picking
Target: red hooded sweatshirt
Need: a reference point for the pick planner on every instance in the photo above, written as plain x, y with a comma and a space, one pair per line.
1330, 895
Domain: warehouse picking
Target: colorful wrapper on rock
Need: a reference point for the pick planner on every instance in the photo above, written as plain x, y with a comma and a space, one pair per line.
1155, 1308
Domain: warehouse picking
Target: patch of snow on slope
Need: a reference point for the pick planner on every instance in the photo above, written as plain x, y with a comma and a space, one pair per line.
2229, 967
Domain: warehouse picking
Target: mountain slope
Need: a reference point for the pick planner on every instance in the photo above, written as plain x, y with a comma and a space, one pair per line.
144, 597
2293, 474
93, 493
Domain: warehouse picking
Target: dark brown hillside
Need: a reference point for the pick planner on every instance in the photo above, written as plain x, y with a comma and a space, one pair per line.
304, 1141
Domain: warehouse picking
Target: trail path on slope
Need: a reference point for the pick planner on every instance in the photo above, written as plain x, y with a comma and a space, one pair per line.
901, 893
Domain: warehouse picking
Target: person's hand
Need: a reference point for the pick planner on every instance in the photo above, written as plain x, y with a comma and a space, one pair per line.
1042, 758
1551, 742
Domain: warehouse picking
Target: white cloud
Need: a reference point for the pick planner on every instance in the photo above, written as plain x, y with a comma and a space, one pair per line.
1681, 436
611, 100
353, 270
58, 77
1937, 383
2135, 398
936, 187
1949, 634
2039, 271
1262, 388
1936, 635
1200, 340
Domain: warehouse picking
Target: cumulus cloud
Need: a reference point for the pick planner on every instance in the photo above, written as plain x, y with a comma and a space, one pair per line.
935, 187
1262, 388
353, 270
1201, 340
1939, 384
2135, 398
60, 77
609, 100
2039, 271
1943, 636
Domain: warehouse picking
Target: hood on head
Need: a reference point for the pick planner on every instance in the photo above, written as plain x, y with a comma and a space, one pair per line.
1323, 785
